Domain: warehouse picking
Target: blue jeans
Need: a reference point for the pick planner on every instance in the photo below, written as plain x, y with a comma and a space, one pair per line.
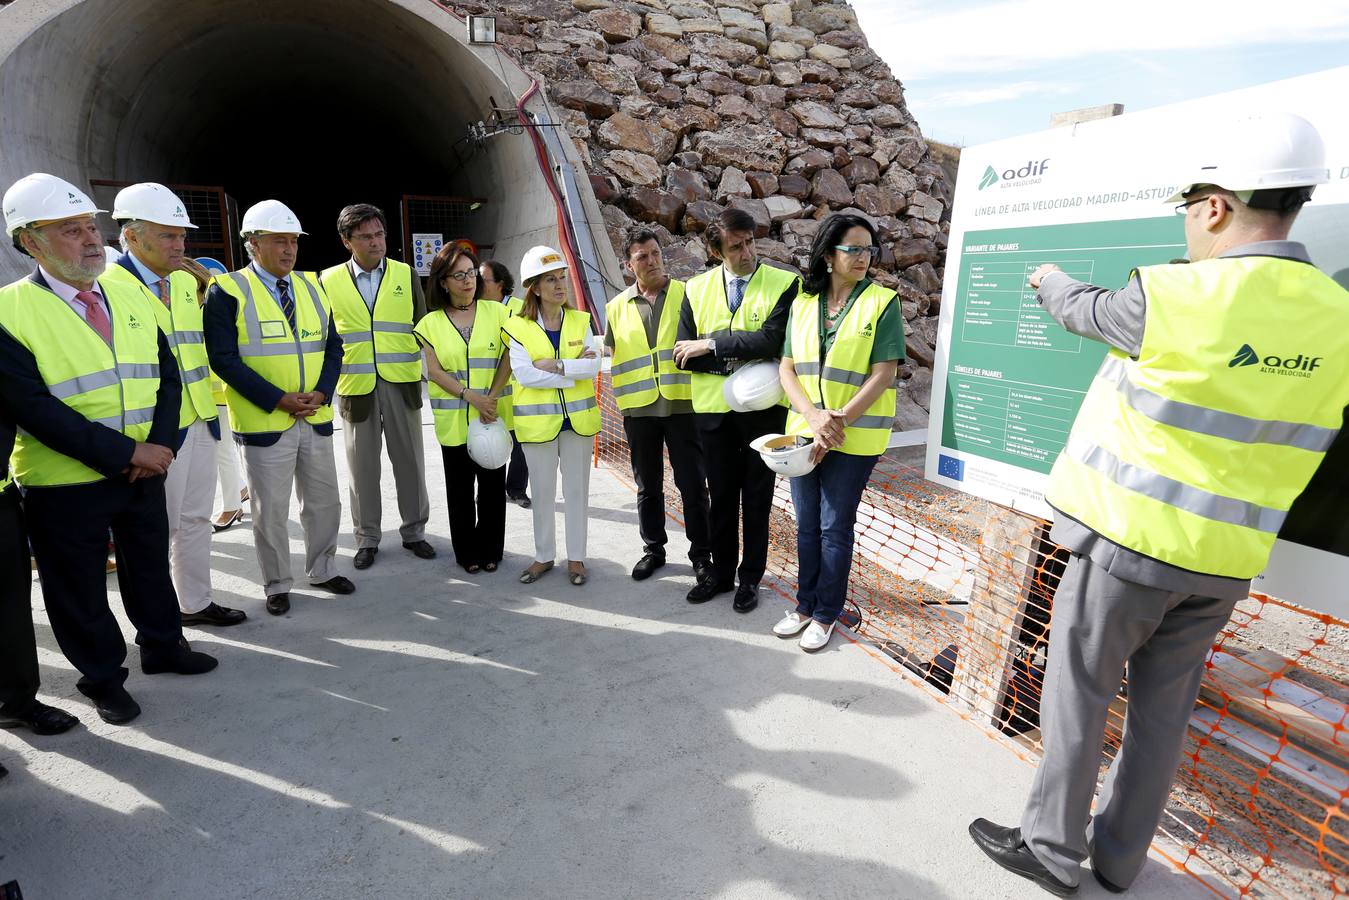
826, 503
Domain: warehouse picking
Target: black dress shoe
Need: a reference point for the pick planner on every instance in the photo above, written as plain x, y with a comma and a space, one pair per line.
646, 566
215, 614
40, 718
421, 549
746, 598
520, 499
702, 569
113, 703
707, 589
365, 557
996, 842
278, 604
181, 660
338, 584
1106, 882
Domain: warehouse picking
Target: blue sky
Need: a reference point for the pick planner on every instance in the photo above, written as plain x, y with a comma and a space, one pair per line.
976, 71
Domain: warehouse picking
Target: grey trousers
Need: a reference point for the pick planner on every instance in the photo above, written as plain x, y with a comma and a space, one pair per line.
392, 421
303, 458
1100, 623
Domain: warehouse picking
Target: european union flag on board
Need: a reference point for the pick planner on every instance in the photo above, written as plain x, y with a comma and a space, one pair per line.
950, 467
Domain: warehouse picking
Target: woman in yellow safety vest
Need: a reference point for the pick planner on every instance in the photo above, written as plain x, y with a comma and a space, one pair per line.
554, 364
462, 343
845, 339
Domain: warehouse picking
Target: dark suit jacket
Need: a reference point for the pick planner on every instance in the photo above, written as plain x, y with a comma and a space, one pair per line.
25, 401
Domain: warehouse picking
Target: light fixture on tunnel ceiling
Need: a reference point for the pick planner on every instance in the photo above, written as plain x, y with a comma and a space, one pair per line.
482, 29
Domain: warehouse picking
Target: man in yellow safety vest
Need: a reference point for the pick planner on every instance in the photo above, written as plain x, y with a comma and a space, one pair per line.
1188, 451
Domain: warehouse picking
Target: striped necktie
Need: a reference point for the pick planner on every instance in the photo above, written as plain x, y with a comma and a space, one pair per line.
164, 293
737, 293
287, 301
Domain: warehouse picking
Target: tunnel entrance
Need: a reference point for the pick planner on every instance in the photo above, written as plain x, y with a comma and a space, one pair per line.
317, 103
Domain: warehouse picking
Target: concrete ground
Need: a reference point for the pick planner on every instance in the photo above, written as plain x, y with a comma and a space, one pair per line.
444, 735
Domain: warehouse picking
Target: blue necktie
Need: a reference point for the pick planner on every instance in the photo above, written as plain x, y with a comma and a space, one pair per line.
737, 293
287, 302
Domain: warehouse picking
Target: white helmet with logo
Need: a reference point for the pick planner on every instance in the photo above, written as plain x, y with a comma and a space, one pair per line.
1259, 152
539, 260
489, 443
753, 387
786, 454
44, 198
271, 216
150, 202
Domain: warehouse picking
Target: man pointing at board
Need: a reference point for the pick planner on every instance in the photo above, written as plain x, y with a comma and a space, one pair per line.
1226, 382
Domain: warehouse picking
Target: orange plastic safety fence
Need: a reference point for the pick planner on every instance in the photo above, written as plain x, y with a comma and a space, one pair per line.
956, 593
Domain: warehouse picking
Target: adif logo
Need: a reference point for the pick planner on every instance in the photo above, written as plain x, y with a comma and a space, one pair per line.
178, 211
990, 178
866, 332
398, 291
73, 199
1031, 173
1300, 366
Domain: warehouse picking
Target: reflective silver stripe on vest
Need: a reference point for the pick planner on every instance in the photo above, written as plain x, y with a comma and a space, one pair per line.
806, 368
450, 403
842, 376
721, 333
390, 358
873, 422
665, 355
678, 378
506, 391
538, 409
282, 349
575, 406
395, 327
646, 384
1212, 422
130, 417
358, 369
1175, 493
482, 362
349, 341
188, 337
192, 376
83, 384
637, 362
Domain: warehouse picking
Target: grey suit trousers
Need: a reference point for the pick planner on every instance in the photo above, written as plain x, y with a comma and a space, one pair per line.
1100, 623
390, 420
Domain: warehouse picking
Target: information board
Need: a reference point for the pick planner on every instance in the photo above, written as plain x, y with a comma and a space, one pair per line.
1090, 198
425, 246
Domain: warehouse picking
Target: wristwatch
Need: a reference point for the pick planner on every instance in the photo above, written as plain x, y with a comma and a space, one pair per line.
712, 346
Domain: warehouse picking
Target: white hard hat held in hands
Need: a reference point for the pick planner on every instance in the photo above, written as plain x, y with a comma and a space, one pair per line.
271, 216
785, 454
150, 202
753, 387
44, 198
1269, 151
489, 443
539, 260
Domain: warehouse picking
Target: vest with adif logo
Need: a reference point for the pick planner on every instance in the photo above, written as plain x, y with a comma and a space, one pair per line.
641, 373
381, 343
706, 295
538, 412
474, 364
112, 386
290, 361
1193, 453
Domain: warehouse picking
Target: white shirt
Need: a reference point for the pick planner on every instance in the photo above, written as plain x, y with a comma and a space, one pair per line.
67, 293
573, 370
367, 282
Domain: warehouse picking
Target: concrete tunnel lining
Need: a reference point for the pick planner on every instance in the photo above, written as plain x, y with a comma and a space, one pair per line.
367, 99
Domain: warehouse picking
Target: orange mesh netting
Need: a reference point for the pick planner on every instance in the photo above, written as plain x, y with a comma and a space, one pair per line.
955, 593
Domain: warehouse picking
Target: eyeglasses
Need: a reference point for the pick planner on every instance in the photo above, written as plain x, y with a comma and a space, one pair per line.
465, 275
855, 249
369, 236
1182, 207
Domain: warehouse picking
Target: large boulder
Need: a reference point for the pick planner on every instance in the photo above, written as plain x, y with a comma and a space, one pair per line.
749, 146
651, 205
829, 188
623, 132
586, 96
638, 169
617, 24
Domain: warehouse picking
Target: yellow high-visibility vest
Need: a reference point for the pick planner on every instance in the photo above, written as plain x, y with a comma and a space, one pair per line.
112, 386
288, 360
1193, 452
474, 364
539, 412
706, 294
181, 323
641, 373
381, 343
832, 382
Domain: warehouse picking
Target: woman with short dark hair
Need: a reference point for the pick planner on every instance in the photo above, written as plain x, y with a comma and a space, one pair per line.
845, 339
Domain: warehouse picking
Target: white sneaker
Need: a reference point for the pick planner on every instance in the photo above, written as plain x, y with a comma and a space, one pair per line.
791, 624
816, 636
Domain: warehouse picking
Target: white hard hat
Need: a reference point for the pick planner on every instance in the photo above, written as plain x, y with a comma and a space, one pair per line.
489, 443
44, 198
150, 202
753, 387
786, 454
538, 260
270, 216
1259, 152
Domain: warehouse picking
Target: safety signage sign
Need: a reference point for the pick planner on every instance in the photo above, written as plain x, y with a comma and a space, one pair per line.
424, 250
